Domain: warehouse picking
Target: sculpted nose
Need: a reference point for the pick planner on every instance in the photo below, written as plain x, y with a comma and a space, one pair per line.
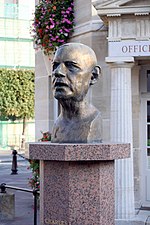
60, 71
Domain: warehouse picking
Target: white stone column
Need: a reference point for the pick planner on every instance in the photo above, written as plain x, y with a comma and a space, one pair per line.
121, 131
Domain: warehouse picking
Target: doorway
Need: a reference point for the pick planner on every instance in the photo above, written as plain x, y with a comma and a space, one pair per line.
145, 135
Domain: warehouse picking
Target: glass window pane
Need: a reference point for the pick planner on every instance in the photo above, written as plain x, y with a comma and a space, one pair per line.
148, 135
148, 152
11, 10
148, 158
148, 80
148, 111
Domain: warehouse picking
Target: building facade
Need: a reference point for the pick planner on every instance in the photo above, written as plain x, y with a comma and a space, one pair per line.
119, 33
17, 52
15, 22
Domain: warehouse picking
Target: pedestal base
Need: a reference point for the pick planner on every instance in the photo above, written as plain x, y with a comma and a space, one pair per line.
77, 182
77, 193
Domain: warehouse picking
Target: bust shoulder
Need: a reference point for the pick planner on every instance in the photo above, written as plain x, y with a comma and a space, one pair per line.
78, 130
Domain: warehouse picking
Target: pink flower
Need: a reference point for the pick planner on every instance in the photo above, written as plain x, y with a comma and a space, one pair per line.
53, 39
61, 41
51, 26
67, 21
67, 30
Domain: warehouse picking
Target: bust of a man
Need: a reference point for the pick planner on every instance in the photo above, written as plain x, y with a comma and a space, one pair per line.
74, 71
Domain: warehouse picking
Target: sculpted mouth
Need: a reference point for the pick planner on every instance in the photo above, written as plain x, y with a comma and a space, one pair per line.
60, 84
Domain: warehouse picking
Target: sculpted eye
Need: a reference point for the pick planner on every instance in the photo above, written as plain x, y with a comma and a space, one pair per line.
55, 65
68, 64
71, 65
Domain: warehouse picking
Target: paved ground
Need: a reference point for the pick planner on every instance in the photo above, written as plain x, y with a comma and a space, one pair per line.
23, 201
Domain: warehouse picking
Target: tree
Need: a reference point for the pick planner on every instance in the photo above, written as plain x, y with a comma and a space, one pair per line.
17, 95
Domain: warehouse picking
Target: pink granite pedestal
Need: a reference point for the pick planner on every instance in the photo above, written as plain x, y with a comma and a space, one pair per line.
77, 182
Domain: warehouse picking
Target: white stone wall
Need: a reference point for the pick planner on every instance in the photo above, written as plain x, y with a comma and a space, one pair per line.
136, 132
90, 30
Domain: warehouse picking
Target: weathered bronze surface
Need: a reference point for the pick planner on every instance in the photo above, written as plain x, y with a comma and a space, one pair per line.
74, 71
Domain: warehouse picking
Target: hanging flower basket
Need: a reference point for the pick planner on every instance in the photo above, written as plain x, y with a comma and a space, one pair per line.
53, 23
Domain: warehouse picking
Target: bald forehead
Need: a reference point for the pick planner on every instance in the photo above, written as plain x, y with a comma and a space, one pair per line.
76, 52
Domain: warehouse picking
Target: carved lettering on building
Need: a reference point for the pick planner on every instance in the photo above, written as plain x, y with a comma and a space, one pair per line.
135, 48
129, 48
55, 222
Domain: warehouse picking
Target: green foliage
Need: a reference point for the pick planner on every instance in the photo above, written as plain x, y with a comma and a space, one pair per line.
46, 136
16, 94
34, 181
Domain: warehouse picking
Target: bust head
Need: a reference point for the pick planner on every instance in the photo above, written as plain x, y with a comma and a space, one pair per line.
74, 71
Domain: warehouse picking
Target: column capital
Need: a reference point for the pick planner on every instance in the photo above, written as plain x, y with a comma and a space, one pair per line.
120, 61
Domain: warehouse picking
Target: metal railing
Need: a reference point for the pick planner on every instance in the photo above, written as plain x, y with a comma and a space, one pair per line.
35, 193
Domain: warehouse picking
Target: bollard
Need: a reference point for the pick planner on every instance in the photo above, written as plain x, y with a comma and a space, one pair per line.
14, 163
3, 188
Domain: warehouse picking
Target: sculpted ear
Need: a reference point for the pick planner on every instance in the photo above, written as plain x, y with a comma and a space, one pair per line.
96, 72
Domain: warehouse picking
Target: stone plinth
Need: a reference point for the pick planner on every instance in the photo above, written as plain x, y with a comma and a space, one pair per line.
77, 182
7, 206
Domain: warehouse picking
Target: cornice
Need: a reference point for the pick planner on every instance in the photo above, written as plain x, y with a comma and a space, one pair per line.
111, 3
117, 7
145, 10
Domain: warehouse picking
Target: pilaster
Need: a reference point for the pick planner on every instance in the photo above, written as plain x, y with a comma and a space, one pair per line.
114, 28
43, 95
143, 26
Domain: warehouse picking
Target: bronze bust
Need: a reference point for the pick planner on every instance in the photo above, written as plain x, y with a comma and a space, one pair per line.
74, 71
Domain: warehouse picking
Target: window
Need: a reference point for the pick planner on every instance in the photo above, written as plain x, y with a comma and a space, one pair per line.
148, 80
11, 9
148, 133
